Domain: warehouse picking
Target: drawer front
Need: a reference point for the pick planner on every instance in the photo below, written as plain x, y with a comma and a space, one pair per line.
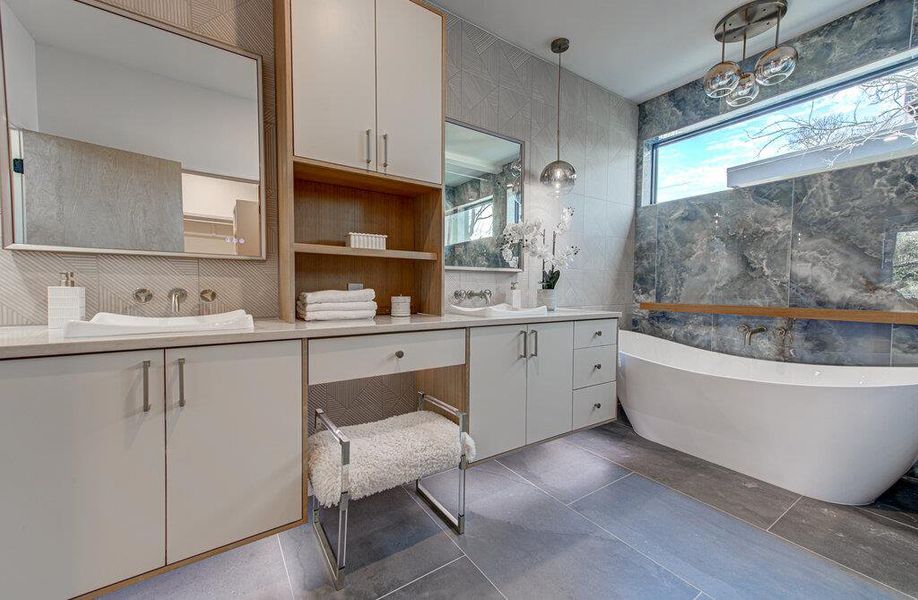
595, 333
594, 405
342, 359
593, 366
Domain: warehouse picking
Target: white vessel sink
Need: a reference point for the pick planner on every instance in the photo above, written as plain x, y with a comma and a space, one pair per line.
499, 310
109, 324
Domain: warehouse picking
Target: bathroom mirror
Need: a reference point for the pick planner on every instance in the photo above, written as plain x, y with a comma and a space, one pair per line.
483, 192
126, 136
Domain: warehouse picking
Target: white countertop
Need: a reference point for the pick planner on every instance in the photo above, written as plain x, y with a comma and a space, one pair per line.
22, 342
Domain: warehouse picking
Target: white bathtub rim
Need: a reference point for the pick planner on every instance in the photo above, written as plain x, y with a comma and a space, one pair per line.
800, 373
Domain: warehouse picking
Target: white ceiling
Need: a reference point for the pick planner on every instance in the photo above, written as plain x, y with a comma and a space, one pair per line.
636, 48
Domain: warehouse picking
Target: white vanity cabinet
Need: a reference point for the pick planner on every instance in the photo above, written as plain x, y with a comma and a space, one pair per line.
368, 85
82, 478
548, 380
233, 443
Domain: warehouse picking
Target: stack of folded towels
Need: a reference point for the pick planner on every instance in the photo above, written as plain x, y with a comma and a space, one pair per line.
334, 305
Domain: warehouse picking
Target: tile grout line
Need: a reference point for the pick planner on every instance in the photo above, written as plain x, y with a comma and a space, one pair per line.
416, 579
890, 519
284, 560
439, 523
628, 474
793, 504
804, 548
698, 595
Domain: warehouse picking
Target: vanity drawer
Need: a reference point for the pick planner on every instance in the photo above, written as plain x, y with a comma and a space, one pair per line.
593, 366
342, 359
595, 333
594, 405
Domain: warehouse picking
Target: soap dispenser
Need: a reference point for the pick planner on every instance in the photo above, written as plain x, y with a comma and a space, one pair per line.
66, 302
516, 295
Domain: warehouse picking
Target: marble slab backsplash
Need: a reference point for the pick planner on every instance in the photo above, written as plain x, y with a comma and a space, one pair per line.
824, 240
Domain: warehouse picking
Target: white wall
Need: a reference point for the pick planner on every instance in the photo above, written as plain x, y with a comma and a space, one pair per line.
21, 73
112, 105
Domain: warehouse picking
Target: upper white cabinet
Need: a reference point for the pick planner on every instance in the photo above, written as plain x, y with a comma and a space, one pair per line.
233, 441
368, 85
83, 498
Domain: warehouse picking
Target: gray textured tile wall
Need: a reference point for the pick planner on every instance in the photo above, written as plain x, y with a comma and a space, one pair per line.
110, 280
824, 240
502, 88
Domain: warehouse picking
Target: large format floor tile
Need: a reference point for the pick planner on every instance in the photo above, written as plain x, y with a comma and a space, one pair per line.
564, 470
725, 557
532, 546
878, 547
391, 542
744, 497
459, 580
900, 502
251, 572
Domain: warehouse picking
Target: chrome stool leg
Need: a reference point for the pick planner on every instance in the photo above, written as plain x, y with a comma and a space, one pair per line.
457, 522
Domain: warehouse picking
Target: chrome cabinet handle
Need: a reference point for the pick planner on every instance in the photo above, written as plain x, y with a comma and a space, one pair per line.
598, 333
597, 405
369, 158
525, 335
597, 366
385, 145
535, 342
400, 354
181, 382
146, 386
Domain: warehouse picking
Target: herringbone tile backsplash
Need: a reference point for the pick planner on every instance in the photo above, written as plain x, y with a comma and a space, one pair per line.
110, 280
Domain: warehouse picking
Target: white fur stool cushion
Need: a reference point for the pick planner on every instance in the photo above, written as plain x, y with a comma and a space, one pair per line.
385, 454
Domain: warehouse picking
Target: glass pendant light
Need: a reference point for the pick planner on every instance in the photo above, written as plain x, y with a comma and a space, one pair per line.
559, 175
747, 89
722, 78
777, 64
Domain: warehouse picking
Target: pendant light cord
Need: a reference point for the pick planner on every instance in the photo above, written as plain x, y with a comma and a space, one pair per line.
558, 137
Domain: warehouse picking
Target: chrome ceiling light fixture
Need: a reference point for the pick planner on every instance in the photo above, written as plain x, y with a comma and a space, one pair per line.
559, 175
726, 79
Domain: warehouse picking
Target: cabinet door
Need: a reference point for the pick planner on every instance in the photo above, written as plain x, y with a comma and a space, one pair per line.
234, 450
497, 389
550, 375
82, 499
334, 80
409, 63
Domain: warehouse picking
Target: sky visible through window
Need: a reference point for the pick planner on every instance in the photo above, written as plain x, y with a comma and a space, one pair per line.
842, 119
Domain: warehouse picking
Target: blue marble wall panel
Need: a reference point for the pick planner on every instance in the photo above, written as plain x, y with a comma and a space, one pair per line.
838, 343
684, 328
904, 346
645, 254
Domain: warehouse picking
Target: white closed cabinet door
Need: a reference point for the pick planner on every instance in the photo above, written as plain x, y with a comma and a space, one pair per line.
334, 81
234, 450
549, 406
409, 63
82, 498
497, 389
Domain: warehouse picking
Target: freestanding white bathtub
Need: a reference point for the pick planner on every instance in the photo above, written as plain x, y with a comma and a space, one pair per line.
839, 434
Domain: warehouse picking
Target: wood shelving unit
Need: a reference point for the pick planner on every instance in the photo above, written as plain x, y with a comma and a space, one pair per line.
367, 252
824, 314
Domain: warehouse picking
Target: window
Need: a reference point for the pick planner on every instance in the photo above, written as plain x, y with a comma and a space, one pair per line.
905, 264
472, 221
871, 119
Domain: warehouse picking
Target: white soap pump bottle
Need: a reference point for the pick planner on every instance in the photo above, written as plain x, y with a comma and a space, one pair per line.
516, 295
66, 302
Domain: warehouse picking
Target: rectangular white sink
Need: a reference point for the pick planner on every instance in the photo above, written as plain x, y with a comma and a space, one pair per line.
499, 310
110, 324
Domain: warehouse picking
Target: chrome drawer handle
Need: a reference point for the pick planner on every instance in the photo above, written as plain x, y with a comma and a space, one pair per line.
525, 335
597, 405
385, 140
146, 386
181, 382
369, 160
535, 342
598, 333
597, 367
400, 354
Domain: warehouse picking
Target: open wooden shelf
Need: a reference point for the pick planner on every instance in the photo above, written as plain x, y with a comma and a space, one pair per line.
313, 170
780, 312
368, 252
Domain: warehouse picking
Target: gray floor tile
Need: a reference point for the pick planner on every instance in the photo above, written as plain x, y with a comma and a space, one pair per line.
744, 497
253, 571
562, 469
900, 502
720, 555
880, 548
456, 581
391, 541
532, 546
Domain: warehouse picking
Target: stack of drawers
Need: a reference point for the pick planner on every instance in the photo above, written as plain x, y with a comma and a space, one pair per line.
595, 353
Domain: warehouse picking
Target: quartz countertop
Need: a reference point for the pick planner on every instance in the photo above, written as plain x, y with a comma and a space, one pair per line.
34, 341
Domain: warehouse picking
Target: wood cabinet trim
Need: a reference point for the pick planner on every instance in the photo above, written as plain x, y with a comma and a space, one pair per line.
823, 314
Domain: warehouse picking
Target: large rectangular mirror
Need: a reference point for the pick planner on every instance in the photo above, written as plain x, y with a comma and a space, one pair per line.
128, 137
484, 192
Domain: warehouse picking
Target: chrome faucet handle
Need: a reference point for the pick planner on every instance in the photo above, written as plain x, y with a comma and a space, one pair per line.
208, 295
176, 297
142, 295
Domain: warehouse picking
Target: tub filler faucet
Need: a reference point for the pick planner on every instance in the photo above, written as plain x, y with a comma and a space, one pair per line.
748, 332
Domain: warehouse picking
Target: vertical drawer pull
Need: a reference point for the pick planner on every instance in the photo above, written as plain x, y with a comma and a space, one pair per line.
181, 382
369, 159
525, 335
146, 386
385, 145
535, 342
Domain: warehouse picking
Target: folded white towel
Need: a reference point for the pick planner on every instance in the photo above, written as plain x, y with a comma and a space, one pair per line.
326, 306
337, 315
364, 295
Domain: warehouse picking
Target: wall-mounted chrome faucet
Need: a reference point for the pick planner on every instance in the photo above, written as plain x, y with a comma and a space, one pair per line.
749, 331
460, 295
176, 297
